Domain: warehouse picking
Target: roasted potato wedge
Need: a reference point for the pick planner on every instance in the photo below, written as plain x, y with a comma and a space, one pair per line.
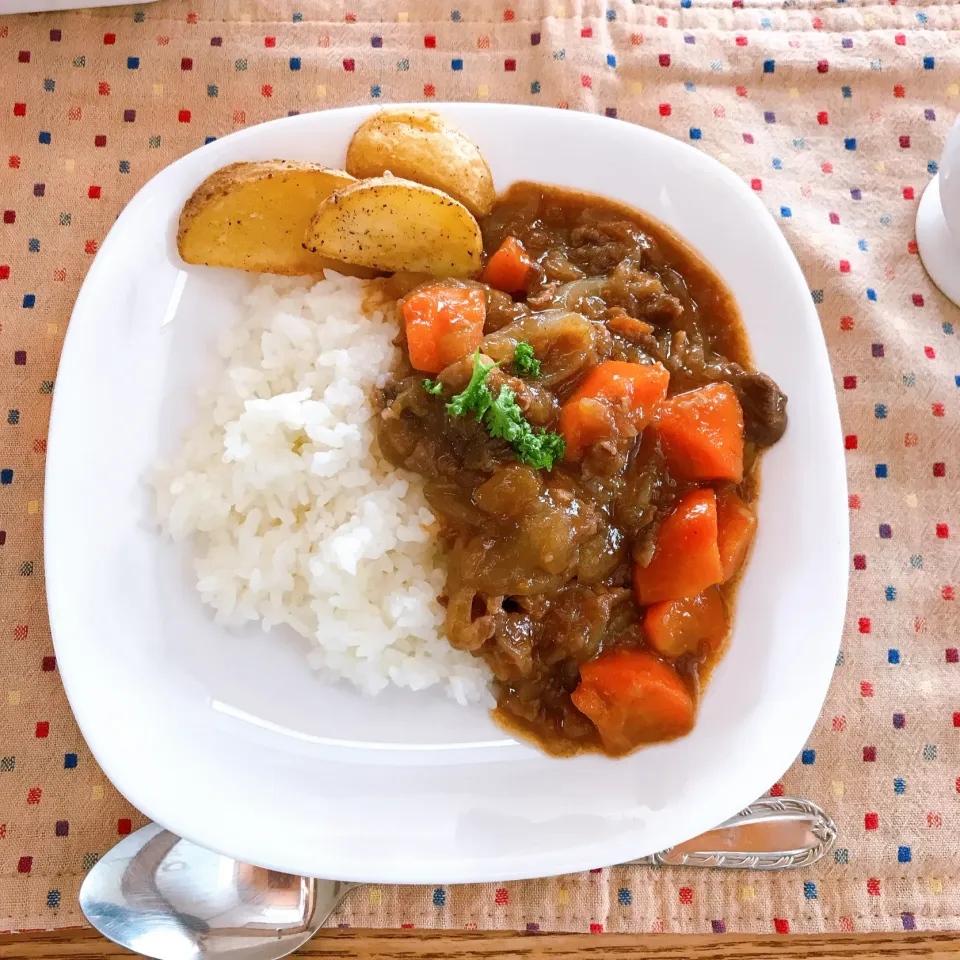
392, 224
254, 216
420, 145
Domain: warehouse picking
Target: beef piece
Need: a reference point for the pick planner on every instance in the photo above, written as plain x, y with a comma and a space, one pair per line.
764, 408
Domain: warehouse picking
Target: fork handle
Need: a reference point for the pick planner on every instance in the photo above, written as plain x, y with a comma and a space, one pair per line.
775, 833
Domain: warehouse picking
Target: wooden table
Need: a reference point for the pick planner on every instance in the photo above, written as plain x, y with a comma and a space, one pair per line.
501, 945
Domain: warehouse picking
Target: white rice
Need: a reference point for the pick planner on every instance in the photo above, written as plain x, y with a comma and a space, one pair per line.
298, 520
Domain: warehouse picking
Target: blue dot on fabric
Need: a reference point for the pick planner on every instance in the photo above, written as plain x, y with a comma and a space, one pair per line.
947, 328
769, 66
53, 899
624, 897
376, 42
929, 63
456, 64
885, 531
375, 91
899, 785
44, 136
855, 193
880, 411
846, 43
769, 116
69, 761
686, 4
535, 86
862, 245
904, 855
876, 350
850, 143
810, 890
847, 93
294, 63
893, 656
899, 721
439, 897
932, 167
880, 470
808, 757
956, 381
871, 293
29, 301
611, 60
6, 476
695, 133
611, 14
207, 140
689, 86
777, 163
786, 212
133, 63
890, 593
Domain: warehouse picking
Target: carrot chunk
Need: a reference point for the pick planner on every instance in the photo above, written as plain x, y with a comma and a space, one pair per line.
701, 434
686, 559
443, 324
611, 390
508, 268
736, 525
633, 698
676, 627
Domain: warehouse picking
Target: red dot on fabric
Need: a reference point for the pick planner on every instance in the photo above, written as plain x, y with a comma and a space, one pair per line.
741, 91
912, 246
781, 925
929, 352
908, 193
43, 729
349, 65
124, 826
900, 40
48, 663
844, 266
905, 143
871, 821
24, 56
850, 441
863, 624
186, 63
822, 66
664, 59
869, 754
4, 271
183, 116
9, 216
509, 16
846, 323
24, 864
859, 562
741, 41
94, 193
109, 39
866, 688
943, 531
686, 894
776, 790
19, 109
585, 81
756, 184
266, 90
586, 33
873, 887
947, 593
429, 90
269, 41
940, 469
849, 383
665, 109
100, 140
937, 409
502, 896
951, 655
430, 41
853, 501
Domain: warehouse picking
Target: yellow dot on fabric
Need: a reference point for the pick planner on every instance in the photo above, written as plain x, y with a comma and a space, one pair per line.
815, 239
563, 897
68, 165
560, 12
869, 20
483, 90
724, 157
97, 793
158, 89
911, 500
953, 90
403, 17
926, 688
636, 87
747, 894
837, 788
245, 18
52, 329
936, 885
321, 90
794, 93
13, 698
375, 896
33, 506
880, 167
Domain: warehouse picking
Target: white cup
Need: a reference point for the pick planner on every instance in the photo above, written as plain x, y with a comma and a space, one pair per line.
938, 221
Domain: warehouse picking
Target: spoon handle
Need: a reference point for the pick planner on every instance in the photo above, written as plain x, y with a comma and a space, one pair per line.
775, 833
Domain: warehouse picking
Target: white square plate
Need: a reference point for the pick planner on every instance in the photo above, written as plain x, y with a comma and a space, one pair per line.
231, 741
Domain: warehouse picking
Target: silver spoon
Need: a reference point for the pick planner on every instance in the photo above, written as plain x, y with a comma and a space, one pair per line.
164, 897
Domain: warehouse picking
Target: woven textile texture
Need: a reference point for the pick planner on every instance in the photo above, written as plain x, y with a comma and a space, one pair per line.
834, 113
